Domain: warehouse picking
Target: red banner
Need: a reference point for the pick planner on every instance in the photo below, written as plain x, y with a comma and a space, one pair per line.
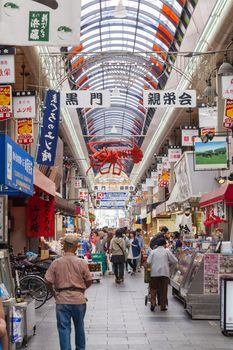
40, 217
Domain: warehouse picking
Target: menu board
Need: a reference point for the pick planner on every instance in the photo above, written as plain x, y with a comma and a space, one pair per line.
211, 273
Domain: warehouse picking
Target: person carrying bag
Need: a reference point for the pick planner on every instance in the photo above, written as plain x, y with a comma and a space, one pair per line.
117, 250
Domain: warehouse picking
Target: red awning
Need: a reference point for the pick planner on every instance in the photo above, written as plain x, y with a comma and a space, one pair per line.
224, 193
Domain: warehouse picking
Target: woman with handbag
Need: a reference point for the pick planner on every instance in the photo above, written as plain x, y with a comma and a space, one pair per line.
134, 252
117, 250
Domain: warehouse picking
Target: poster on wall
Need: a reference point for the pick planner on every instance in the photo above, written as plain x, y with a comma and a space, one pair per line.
24, 131
211, 270
211, 155
7, 65
42, 22
24, 104
5, 102
228, 114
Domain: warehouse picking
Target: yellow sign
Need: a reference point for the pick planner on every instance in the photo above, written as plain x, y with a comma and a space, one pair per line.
5, 99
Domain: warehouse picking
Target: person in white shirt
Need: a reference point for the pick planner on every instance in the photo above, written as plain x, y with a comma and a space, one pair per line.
160, 259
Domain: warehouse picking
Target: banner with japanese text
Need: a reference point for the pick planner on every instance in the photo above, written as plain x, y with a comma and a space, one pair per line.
5, 102
49, 130
86, 99
24, 131
24, 104
40, 22
169, 98
7, 65
40, 217
227, 87
228, 114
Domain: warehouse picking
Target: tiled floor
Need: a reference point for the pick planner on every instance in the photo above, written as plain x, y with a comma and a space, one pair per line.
118, 319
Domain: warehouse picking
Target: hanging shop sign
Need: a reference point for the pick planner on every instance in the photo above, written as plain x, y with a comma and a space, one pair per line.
154, 175
163, 180
42, 22
166, 163
5, 102
49, 130
112, 204
24, 131
16, 172
211, 155
228, 114
86, 99
150, 182
227, 87
77, 183
188, 133
7, 66
83, 194
116, 196
24, 104
40, 217
169, 98
174, 153
208, 117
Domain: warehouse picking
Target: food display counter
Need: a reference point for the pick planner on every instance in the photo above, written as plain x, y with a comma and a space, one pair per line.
195, 280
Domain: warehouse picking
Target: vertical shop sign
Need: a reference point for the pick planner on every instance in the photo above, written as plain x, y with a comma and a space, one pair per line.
228, 114
42, 22
40, 217
174, 154
78, 183
49, 131
24, 131
1, 218
83, 194
7, 66
5, 102
169, 98
86, 99
24, 104
227, 87
188, 135
211, 273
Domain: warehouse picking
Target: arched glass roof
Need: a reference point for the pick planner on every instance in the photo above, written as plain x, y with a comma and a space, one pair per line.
128, 53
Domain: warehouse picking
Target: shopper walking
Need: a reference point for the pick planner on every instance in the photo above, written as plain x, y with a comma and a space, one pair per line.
159, 259
117, 250
68, 277
134, 252
163, 233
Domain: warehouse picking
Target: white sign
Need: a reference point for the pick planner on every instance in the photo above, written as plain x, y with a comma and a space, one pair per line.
159, 168
150, 182
78, 183
208, 117
1, 218
154, 175
165, 162
174, 154
83, 194
188, 135
227, 87
40, 22
86, 99
169, 98
24, 104
7, 69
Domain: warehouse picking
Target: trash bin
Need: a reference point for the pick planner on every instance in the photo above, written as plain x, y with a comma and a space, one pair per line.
226, 305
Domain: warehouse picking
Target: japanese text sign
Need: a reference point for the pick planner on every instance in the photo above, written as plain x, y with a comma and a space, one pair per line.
24, 131
40, 217
78, 183
163, 180
227, 87
42, 22
16, 172
83, 194
49, 131
174, 154
228, 114
7, 66
86, 99
169, 98
5, 102
117, 196
24, 104
188, 134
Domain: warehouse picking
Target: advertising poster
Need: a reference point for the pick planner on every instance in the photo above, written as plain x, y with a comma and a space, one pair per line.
7, 66
24, 131
5, 102
211, 155
24, 104
163, 180
42, 22
228, 114
83, 194
211, 277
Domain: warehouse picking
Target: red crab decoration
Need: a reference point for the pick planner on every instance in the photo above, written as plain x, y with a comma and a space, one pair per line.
113, 157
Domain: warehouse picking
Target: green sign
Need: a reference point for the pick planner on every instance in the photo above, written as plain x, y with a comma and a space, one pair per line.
38, 26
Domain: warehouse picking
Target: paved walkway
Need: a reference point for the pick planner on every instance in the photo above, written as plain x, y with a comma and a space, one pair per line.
118, 319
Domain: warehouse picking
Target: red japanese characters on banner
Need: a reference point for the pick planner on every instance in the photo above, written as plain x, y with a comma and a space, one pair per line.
5, 102
40, 217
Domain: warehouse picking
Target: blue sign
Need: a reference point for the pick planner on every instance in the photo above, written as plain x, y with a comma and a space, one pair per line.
49, 130
16, 171
112, 196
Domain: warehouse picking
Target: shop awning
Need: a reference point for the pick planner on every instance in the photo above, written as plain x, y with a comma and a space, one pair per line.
43, 182
224, 193
63, 204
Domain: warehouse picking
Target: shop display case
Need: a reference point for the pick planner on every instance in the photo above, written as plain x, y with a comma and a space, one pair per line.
181, 270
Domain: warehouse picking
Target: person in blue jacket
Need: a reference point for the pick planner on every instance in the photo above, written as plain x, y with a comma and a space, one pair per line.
134, 252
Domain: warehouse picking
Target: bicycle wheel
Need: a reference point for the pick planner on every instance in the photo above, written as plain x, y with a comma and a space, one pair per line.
36, 288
